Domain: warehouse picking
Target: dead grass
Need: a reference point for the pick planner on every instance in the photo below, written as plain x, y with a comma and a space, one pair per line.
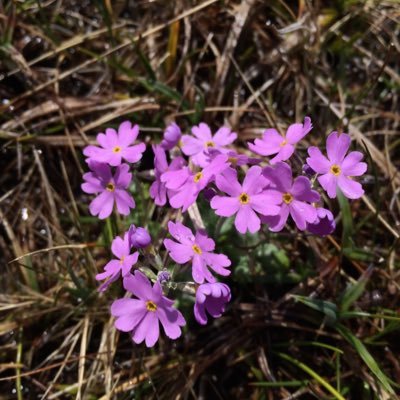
69, 68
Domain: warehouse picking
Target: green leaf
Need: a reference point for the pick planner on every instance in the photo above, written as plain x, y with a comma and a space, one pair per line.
353, 292
347, 220
326, 307
366, 356
313, 374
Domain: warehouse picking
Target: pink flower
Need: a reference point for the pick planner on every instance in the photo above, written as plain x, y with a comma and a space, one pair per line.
211, 297
244, 200
116, 146
199, 250
338, 168
187, 184
172, 135
283, 146
197, 147
141, 316
121, 267
294, 197
110, 189
158, 189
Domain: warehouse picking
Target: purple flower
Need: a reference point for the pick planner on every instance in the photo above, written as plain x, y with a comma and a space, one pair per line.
283, 146
294, 197
187, 184
197, 147
338, 168
172, 135
211, 297
139, 237
245, 200
158, 190
121, 267
141, 316
324, 224
110, 189
198, 249
116, 146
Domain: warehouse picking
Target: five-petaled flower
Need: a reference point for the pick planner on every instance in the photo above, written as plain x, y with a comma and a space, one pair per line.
115, 147
245, 200
211, 297
197, 146
337, 169
110, 189
283, 146
198, 249
115, 268
142, 316
294, 197
187, 184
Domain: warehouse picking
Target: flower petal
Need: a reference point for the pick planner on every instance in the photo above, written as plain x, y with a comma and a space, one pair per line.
202, 132
181, 232
180, 253
351, 165
337, 146
285, 152
102, 205
280, 175
301, 190
139, 285
127, 133
225, 206
227, 182
266, 202
329, 183
302, 213
247, 219
351, 189
317, 161
124, 201
224, 136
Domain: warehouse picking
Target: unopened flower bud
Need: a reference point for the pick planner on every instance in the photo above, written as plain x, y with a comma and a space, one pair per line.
139, 237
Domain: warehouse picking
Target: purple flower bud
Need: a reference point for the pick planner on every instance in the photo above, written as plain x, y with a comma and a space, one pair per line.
171, 137
307, 170
209, 193
139, 237
163, 276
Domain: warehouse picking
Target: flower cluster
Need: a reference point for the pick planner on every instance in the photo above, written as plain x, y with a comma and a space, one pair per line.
258, 191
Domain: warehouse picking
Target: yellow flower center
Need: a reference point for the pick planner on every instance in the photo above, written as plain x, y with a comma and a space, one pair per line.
287, 198
116, 149
122, 259
283, 143
110, 187
233, 160
197, 177
244, 198
335, 170
151, 306
196, 249
210, 144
